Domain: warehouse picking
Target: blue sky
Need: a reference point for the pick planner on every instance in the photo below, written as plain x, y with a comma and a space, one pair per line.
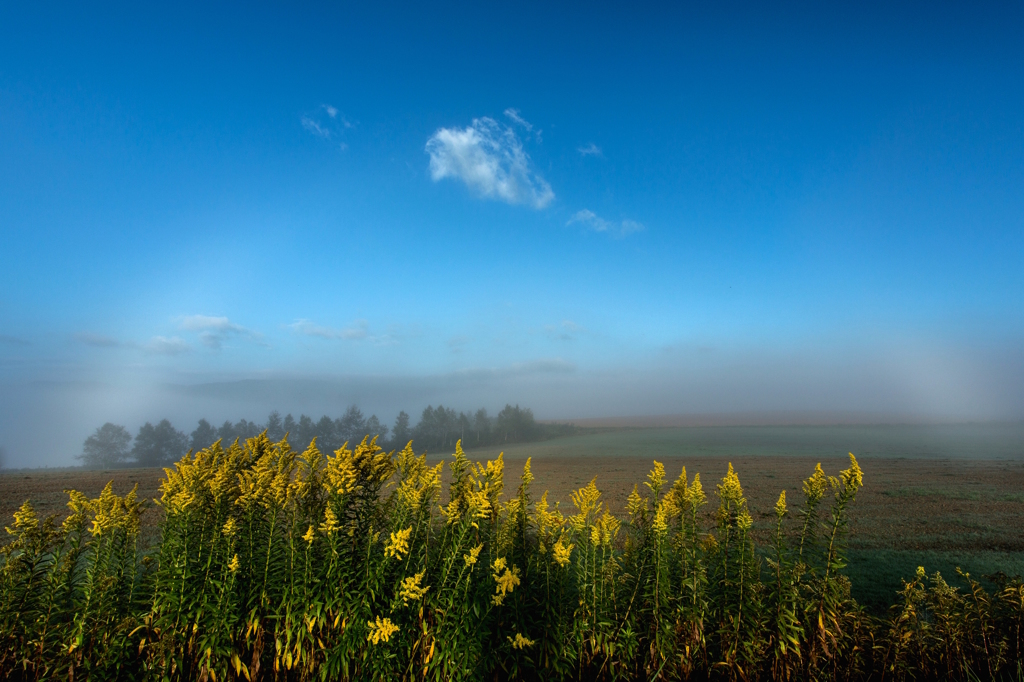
594, 210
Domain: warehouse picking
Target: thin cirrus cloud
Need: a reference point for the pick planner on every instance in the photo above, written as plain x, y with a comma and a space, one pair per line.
327, 123
214, 331
596, 223
359, 331
590, 150
489, 158
162, 345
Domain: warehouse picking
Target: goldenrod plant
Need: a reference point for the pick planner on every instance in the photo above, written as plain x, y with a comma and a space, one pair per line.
279, 564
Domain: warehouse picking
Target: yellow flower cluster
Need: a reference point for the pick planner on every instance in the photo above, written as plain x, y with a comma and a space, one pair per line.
473, 555
234, 565
730, 490
656, 478
853, 478
111, 512
310, 535
398, 545
381, 630
780, 506
694, 496
25, 520
505, 578
635, 505
816, 486
520, 642
420, 484
411, 589
605, 529
330, 523
562, 553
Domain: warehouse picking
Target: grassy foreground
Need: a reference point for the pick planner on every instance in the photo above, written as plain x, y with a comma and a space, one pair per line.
273, 564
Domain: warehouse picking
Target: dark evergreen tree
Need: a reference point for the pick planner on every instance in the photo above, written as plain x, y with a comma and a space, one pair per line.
305, 431
275, 427
226, 433
203, 437
290, 427
401, 433
159, 445
375, 428
352, 426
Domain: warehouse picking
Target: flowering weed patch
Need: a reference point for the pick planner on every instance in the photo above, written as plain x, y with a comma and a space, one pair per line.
278, 565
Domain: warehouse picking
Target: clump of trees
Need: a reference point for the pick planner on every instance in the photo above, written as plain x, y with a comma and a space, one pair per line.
439, 427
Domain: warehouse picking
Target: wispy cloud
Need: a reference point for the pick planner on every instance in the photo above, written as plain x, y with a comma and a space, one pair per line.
327, 123
590, 149
161, 345
516, 118
567, 330
96, 340
598, 224
359, 331
213, 331
490, 159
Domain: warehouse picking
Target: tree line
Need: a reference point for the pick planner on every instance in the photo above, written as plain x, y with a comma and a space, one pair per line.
112, 445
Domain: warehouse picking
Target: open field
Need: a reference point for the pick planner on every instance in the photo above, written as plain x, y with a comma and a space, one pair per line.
938, 496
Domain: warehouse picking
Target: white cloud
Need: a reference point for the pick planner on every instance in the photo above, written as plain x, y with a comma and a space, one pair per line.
599, 224
490, 159
516, 118
161, 345
213, 331
590, 150
315, 128
330, 127
360, 330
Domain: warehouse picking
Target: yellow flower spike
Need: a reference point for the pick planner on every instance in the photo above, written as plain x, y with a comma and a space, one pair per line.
853, 477
398, 545
635, 504
562, 553
234, 565
780, 506
78, 503
586, 501
527, 473
25, 519
730, 490
411, 589
230, 526
505, 582
656, 478
661, 517
330, 524
473, 556
744, 520
381, 630
816, 486
520, 642
310, 534
695, 496
609, 527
